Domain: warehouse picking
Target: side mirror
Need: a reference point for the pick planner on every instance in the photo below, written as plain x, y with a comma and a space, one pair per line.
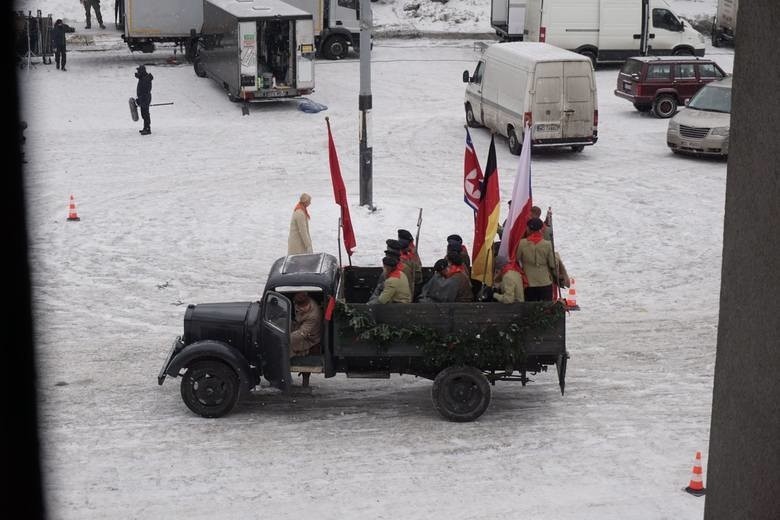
686, 102
465, 76
680, 27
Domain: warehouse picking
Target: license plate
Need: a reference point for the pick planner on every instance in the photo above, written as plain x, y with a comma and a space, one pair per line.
687, 144
550, 127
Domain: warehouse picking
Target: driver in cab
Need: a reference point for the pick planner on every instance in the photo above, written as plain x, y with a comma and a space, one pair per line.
306, 327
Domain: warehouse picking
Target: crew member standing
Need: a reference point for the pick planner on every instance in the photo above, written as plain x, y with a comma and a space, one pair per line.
536, 255
88, 6
143, 92
299, 241
58, 44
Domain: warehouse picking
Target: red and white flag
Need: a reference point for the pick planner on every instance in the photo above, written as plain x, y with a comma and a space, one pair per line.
472, 175
520, 210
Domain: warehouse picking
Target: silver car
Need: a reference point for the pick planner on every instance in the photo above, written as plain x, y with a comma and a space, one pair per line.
702, 128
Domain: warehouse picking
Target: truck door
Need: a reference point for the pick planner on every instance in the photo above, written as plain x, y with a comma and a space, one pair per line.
248, 56
578, 100
622, 29
275, 340
304, 54
343, 14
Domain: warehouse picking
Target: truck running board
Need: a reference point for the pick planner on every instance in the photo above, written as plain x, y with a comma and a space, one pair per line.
368, 375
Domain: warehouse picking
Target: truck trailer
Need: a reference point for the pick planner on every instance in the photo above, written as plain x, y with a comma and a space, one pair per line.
336, 25
256, 49
607, 31
724, 28
146, 22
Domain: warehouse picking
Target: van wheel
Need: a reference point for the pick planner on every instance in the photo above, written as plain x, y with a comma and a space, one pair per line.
683, 51
643, 107
460, 394
470, 119
664, 106
578, 148
335, 48
210, 388
591, 55
515, 146
197, 65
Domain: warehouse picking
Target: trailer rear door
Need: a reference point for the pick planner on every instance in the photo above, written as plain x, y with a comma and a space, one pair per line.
304, 53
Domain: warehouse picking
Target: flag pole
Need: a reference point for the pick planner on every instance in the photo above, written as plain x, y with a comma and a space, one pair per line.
548, 221
338, 238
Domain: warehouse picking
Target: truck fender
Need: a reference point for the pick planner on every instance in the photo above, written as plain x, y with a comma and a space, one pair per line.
213, 350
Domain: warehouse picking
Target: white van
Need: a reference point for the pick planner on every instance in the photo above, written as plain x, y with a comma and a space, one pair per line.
551, 89
605, 30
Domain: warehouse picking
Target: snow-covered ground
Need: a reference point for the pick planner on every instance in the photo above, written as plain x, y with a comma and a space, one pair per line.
198, 211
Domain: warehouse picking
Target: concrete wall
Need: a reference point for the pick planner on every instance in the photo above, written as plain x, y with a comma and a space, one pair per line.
743, 474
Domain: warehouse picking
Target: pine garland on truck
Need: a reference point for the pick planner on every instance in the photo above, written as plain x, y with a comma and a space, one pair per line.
489, 346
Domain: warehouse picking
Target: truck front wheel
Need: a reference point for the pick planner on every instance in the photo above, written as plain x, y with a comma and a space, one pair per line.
336, 48
461, 394
210, 388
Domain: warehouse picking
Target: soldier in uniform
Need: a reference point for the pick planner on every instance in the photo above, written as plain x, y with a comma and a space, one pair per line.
396, 285
456, 271
440, 288
508, 282
536, 255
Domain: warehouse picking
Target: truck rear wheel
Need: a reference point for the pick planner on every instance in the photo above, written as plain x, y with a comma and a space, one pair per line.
460, 394
210, 388
197, 65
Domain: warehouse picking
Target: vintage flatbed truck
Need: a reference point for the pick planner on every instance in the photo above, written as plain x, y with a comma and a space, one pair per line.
227, 348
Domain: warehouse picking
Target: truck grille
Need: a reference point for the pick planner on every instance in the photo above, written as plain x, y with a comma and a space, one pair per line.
693, 132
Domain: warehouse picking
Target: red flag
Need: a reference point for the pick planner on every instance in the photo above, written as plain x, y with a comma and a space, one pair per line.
472, 175
486, 224
340, 194
522, 200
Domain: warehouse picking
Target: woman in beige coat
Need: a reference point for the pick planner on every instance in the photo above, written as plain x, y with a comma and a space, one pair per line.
299, 241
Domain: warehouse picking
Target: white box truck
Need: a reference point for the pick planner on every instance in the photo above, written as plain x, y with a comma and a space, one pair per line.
550, 89
604, 30
146, 22
256, 49
724, 27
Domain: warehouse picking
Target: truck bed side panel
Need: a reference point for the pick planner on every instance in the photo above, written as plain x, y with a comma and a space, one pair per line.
153, 18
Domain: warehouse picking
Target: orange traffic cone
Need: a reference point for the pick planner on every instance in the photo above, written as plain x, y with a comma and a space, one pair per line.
571, 299
72, 215
696, 487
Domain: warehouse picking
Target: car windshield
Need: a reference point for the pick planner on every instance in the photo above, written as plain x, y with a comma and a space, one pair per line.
713, 99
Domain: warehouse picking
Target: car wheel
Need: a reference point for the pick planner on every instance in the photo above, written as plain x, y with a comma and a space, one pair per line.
197, 65
470, 119
210, 388
336, 48
643, 107
461, 394
515, 146
665, 106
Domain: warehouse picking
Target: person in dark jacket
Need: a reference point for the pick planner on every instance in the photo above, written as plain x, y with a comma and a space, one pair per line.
58, 44
143, 99
88, 6
440, 288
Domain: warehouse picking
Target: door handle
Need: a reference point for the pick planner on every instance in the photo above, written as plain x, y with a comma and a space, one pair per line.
652, 35
637, 36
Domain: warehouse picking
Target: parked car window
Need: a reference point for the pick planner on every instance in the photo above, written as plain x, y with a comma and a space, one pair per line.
660, 71
714, 99
477, 78
664, 19
709, 70
685, 71
631, 67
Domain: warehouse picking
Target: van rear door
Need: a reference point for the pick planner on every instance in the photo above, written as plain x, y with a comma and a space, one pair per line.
248, 58
547, 101
579, 99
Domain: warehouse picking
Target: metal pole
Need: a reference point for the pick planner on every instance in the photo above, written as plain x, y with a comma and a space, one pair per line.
364, 106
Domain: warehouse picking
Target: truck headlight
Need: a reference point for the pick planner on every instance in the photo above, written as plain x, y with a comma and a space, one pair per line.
721, 130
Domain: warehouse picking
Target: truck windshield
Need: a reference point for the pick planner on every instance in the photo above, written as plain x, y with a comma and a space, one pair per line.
713, 99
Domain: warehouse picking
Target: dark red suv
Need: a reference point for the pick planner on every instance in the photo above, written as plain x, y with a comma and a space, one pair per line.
662, 83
